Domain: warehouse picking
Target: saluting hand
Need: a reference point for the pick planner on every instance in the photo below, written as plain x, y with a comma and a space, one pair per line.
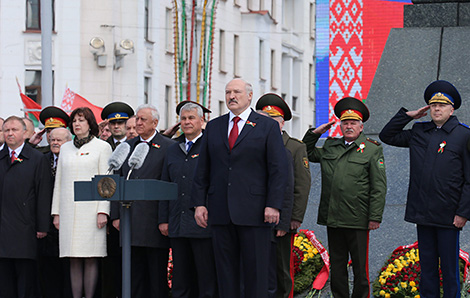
418, 113
324, 127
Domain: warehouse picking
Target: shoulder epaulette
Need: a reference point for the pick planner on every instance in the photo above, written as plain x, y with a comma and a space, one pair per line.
294, 139
373, 141
463, 124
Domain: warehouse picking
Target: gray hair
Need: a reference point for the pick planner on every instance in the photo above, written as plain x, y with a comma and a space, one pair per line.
19, 119
190, 106
68, 134
155, 114
360, 121
248, 86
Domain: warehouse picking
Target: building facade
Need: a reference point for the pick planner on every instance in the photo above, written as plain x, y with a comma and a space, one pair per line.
125, 51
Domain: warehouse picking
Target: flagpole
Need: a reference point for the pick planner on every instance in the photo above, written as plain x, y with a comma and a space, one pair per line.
46, 53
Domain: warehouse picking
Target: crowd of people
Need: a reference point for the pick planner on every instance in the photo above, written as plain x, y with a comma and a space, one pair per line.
243, 187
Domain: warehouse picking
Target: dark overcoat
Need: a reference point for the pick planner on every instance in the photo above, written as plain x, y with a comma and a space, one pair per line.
25, 202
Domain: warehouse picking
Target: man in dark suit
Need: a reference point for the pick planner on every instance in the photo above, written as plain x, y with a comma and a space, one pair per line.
117, 114
25, 206
193, 255
239, 188
54, 272
150, 249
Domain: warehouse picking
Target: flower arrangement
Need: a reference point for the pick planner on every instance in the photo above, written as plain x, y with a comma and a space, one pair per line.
311, 262
400, 275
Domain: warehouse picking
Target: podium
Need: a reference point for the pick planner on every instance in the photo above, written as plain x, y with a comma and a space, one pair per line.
117, 188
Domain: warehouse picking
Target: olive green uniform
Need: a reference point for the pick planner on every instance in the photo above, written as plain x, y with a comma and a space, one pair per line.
353, 194
302, 183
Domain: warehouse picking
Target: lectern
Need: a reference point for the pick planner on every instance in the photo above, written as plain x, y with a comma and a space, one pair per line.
117, 188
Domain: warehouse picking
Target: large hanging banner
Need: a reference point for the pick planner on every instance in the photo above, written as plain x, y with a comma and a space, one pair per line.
351, 35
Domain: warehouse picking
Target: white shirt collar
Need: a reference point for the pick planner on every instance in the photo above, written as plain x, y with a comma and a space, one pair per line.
17, 150
121, 140
149, 139
243, 116
195, 139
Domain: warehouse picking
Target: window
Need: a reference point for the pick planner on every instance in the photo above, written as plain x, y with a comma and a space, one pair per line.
33, 14
33, 85
236, 58
294, 103
169, 31
147, 20
312, 21
273, 70
311, 81
221, 107
222, 66
147, 87
261, 60
167, 105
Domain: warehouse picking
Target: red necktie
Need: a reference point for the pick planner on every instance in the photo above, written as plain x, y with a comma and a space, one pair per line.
13, 158
233, 133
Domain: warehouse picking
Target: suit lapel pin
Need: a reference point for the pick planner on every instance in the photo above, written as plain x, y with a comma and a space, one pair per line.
156, 146
84, 153
194, 155
250, 123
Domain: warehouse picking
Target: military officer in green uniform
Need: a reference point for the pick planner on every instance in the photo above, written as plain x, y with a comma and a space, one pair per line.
274, 106
51, 117
353, 193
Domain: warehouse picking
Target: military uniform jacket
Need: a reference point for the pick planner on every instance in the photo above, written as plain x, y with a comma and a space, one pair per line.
439, 185
354, 184
144, 214
179, 167
302, 179
25, 202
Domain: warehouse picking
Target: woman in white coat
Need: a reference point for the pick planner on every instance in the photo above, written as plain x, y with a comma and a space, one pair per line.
81, 225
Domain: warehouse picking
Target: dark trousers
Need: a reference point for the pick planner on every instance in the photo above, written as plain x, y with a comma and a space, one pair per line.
18, 278
284, 269
438, 243
245, 247
111, 266
54, 277
342, 243
149, 272
193, 268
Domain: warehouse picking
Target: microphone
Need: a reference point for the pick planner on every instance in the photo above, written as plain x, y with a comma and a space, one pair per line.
137, 157
116, 160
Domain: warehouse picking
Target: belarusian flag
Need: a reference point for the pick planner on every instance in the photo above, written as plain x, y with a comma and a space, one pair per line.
72, 100
31, 108
30, 104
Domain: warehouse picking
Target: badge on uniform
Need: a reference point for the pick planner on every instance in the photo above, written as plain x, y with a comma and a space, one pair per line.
194, 155
441, 147
306, 165
381, 163
361, 147
156, 146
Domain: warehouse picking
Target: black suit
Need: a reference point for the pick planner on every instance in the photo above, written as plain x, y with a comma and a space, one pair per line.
54, 272
150, 248
238, 185
193, 256
25, 209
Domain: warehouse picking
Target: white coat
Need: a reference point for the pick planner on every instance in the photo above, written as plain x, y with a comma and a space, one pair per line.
79, 235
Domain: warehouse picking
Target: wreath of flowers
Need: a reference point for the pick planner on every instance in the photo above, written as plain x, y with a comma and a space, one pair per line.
400, 275
311, 263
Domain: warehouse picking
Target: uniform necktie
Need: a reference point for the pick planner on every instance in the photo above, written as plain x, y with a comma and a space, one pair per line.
13, 157
190, 144
233, 133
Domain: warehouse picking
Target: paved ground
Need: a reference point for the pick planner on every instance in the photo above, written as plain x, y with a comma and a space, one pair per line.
394, 231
